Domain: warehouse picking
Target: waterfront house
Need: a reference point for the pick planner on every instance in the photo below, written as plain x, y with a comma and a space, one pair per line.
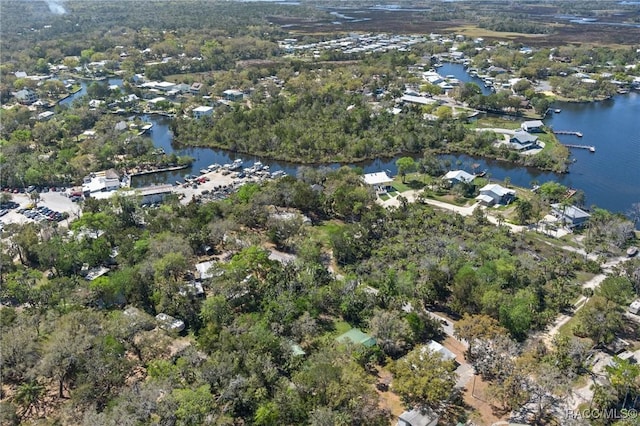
103, 181
202, 111
533, 126
570, 215
233, 95
378, 181
357, 337
458, 176
495, 194
418, 417
26, 96
523, 141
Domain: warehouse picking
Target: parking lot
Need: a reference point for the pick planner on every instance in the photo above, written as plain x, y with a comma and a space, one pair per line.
49, 204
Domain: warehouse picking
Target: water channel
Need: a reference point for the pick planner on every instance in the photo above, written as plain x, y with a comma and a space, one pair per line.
610, 177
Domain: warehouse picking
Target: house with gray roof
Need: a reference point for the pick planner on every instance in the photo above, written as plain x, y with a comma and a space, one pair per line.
523, 141
495, 194
570, 215
532, 126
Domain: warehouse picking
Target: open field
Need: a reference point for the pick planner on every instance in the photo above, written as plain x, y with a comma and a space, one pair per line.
614, 27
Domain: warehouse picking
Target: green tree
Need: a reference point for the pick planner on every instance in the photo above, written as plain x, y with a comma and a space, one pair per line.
424, 378
405, 165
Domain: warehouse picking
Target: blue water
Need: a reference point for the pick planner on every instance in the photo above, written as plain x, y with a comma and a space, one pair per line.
458, 70
610, 177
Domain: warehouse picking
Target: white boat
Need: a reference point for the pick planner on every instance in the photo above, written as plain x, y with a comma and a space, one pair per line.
203, 171
557, 110
257, 165
236, 164
213, 167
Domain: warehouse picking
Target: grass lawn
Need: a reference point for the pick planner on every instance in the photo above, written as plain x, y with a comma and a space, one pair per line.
497, 122
340, 327
412, 181
384, 197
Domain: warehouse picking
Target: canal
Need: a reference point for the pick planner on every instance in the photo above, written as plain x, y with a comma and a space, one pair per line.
610, 177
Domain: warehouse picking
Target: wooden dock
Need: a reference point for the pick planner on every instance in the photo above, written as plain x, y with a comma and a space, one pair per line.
591, 148
567, 132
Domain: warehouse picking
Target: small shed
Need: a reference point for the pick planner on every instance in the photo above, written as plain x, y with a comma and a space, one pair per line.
358, 337
634, 308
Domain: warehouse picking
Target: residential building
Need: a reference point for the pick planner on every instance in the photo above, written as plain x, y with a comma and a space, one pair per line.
233, 95
202, 111
458, 176
169, 323
195, 88
436, 347
358, 337
26, 96
418, 100
417, 417
495, 194
523, 141
46, 115
570, 215
532, 126
378, 181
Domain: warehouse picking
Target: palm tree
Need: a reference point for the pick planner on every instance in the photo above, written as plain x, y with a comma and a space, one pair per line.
28, 396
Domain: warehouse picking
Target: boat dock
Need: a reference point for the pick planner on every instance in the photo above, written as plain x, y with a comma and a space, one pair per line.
567, 132
591, 148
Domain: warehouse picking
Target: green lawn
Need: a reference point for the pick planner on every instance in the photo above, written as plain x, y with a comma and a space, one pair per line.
341, 327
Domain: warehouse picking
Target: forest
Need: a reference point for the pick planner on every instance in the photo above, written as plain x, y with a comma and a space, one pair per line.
89, 351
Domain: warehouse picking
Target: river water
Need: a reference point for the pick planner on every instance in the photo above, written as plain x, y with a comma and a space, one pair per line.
610, 177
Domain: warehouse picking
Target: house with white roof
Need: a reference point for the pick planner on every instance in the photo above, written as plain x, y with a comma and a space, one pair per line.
202, 111
437, 348
495, 194
378, 181
103, 181
458, 176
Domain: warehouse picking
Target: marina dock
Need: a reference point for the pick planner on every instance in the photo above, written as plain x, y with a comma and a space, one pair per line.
591, 148
567, 132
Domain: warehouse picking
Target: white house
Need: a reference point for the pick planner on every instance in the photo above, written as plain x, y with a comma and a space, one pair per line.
532, 126
634, 308
418, 418
202, 111
458, 176
495, 194
46, 115
103, 181
379, 181
445, 353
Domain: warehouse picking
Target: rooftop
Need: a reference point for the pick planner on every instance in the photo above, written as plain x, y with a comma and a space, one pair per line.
378, 178
357, 336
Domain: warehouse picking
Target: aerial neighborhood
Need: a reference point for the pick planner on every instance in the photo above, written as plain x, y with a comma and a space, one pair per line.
353, 213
